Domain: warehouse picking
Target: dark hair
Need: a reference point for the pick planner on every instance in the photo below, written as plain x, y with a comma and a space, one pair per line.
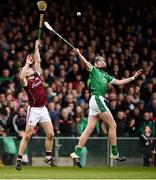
3, 111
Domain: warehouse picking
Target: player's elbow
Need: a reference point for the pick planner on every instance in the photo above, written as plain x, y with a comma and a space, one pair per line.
21, 78
28, 135
23, 81
117, 82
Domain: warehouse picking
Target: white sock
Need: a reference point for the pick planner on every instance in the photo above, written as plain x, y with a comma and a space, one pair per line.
48, 157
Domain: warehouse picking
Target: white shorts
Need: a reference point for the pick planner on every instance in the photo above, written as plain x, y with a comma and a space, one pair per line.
37, 114
97, 105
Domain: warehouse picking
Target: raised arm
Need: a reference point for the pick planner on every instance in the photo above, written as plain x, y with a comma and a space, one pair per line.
126, 80
83, 59
23, 73
37, 58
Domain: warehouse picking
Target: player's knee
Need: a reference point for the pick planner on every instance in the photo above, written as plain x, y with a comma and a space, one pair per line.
113, 125
50, 135
89, 130
28, 136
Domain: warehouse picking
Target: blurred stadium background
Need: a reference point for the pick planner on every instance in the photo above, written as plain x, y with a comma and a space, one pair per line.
122, 31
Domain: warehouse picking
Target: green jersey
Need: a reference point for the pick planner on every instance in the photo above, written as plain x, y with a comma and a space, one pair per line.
98, 80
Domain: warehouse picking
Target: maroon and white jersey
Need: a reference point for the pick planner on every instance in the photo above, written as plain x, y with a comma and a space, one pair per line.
36, 92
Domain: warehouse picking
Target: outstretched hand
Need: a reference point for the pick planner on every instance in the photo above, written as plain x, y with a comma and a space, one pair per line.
38, 43
76, 51
137, 74
29, 59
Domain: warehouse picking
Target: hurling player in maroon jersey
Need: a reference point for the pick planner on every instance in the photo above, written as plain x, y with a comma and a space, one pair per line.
37, 112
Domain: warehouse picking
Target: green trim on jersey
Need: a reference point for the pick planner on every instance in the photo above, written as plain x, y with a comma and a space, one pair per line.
98, 80
100, 104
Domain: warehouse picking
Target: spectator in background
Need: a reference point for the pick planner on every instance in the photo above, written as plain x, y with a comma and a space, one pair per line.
85, 96
113, 106
4, 79
141, 106
147, 146
54, 115
69, 99
147, 121
4, 117
147, 88
65, 123
134, 122
152, 105
2, 100
121, 124
19, 124
22, 98
73, 73
128, 105
81, 122
132, 128
8, 143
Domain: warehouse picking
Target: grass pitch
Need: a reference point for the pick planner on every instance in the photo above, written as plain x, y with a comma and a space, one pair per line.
77, 173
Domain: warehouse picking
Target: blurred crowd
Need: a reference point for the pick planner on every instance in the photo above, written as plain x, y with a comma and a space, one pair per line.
121, 31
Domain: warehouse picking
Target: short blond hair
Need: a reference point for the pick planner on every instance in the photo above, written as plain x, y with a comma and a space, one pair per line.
99, 58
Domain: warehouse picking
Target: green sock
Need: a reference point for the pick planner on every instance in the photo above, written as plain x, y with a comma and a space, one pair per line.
78, 151
114, 150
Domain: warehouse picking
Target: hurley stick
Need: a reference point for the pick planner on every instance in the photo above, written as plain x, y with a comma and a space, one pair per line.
42, 6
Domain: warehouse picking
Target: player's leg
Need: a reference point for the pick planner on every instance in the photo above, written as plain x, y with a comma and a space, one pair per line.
23, 144
46, 124
48, 129
83, 156
92, 120
106, 116
111, 125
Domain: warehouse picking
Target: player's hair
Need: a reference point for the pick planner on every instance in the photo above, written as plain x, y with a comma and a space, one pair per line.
98, 58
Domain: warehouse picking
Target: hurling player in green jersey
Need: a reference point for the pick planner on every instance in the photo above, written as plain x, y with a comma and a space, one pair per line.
98, 79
